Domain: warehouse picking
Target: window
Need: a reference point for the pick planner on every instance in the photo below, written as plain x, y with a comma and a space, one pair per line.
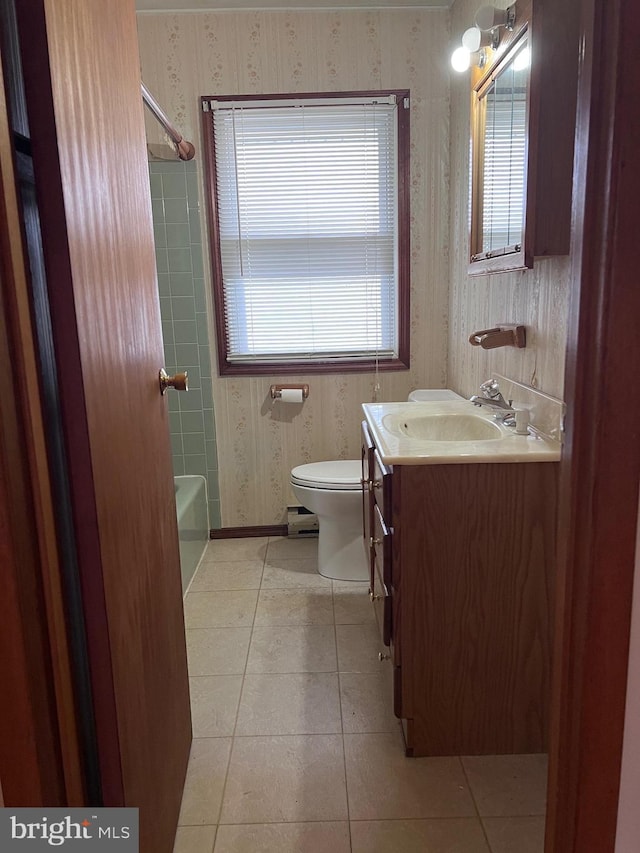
310, 244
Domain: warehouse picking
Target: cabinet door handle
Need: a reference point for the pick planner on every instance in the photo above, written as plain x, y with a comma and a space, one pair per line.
374, 484
373, 596
382, 656
373, 541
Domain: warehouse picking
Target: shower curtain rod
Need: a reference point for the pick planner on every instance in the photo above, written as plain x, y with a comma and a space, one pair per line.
185, 149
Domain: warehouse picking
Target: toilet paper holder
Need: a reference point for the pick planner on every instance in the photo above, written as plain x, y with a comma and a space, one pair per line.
276, 390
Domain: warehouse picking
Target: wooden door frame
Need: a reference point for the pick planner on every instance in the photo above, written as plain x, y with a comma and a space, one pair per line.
39, 745
30, 759
601, 459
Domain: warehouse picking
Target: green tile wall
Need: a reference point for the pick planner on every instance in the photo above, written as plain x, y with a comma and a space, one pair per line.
183, 306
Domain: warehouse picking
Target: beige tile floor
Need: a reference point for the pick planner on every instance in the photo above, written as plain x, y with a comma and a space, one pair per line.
295, 747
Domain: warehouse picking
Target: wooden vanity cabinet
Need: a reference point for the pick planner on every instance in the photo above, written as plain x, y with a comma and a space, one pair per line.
462, 558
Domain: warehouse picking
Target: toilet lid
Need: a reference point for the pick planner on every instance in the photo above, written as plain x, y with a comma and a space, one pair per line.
339, 474
421, 395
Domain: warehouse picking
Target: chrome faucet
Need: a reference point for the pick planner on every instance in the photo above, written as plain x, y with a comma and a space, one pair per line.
490, 396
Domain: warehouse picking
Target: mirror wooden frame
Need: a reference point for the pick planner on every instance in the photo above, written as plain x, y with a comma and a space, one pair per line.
552, 33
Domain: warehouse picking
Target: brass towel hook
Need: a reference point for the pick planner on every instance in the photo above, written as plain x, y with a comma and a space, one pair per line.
500, 336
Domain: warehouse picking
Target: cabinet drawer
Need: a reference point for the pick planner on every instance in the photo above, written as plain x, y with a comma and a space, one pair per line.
382, 604
381, 485
367, 454
381, 545
382, 556
367, 499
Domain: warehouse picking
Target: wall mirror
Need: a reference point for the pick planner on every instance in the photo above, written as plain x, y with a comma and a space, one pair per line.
499, 163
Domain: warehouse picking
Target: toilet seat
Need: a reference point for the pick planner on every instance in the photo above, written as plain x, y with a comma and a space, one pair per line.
338, 475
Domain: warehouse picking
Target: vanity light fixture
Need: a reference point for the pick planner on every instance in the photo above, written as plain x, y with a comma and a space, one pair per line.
463, 58
476, 38
486, 31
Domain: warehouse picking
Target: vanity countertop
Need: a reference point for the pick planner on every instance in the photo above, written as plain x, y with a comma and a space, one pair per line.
450, 432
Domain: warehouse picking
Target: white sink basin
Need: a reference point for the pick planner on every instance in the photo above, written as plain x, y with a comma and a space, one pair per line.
450, 432
442, 427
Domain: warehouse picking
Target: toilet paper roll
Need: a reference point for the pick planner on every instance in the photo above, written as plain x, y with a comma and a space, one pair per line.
291, 395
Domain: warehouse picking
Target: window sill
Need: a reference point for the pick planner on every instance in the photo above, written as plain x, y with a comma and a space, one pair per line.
310, 367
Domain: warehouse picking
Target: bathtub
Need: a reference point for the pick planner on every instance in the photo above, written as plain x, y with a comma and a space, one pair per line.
193, 523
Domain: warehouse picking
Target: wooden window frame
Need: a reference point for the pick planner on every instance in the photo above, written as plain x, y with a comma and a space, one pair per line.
262, 368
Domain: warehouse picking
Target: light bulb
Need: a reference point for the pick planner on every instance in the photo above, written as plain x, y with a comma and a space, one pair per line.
489, 17
471, 39
461, 59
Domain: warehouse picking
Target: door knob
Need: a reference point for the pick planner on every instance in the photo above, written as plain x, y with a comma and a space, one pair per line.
180, 381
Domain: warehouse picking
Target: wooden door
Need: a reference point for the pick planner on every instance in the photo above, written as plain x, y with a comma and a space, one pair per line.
600, 469
82, 81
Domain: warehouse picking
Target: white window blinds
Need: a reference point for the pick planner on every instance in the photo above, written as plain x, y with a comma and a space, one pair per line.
504, 171
505, 160
307, 212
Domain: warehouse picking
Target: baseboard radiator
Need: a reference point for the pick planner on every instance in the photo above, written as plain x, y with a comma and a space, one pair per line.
301, 522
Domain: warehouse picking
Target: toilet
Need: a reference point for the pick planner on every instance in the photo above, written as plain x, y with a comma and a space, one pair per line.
333, 491
429, 395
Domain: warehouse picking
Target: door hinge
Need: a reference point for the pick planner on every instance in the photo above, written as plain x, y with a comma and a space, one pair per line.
406, 103
206, 106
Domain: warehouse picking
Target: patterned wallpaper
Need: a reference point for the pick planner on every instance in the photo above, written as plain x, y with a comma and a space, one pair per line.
187, 55
537, 298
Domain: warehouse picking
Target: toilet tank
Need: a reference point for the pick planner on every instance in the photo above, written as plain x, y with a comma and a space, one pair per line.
424, 395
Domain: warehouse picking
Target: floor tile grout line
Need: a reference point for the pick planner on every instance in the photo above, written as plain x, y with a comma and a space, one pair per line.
246, 662
475, 804
346, 783
344, 752
335, 642
226, 774
273, 822
283, 625
439, 819
324, 734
